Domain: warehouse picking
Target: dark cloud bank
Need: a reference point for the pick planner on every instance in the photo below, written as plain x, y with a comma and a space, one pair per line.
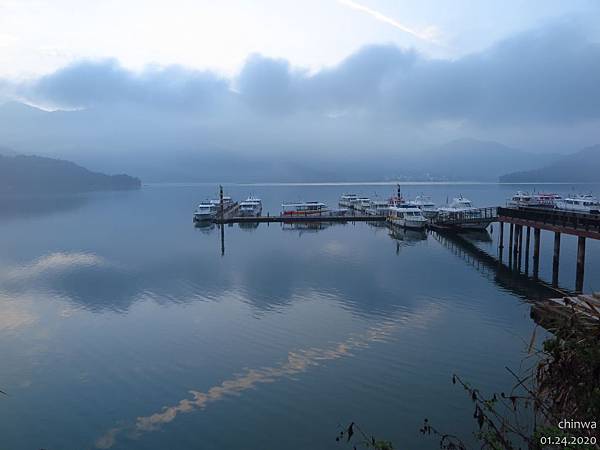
539, 90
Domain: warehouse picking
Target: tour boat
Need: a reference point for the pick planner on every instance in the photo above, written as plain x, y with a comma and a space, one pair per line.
251, 207
378, 208
362, 204
459, 204
536, 200
408, 217
304, 209
205, 212
227, 202
348, 200
521, 199
586, 203
546, 199
424, 203
466, 215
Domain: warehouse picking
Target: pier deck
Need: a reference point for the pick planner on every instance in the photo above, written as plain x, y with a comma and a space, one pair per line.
567, 222
299, 219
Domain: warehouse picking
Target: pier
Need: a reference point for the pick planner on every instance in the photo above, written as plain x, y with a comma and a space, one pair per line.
584, 226
521, 221
300, 219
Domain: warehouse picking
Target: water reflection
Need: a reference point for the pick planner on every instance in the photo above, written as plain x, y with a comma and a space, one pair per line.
519, 284
30, 206
305, 227
248, 226
297, 362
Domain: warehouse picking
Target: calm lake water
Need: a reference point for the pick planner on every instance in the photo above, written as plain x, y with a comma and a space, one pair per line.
123, 326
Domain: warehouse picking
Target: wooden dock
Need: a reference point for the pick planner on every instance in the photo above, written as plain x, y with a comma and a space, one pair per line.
299, 219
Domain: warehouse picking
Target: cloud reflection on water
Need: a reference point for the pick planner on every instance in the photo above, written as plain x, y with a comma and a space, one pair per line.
298, 361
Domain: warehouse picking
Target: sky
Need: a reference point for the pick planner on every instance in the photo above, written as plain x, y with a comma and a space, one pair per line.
40, 36
366, 78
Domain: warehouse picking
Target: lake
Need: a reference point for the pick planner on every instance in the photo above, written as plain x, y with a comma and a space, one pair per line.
124, 326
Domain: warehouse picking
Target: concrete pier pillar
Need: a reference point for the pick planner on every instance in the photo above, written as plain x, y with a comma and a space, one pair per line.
580, 264
536, 252
527, 241
511, 235
556, 259
515, 249
520, 248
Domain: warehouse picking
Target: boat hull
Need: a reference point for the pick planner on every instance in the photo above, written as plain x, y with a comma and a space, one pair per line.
409, 223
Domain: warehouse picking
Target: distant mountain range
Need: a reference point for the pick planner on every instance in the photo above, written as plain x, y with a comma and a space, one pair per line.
582, 166
34, 174
161, 146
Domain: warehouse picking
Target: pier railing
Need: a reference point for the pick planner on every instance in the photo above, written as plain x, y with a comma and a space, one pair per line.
556, 220
464, 217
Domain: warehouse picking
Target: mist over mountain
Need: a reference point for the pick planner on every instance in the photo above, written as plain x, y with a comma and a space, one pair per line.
582, 166
383, 112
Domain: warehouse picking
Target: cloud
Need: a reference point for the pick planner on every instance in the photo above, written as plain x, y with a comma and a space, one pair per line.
106, 82
428, 34
546, 76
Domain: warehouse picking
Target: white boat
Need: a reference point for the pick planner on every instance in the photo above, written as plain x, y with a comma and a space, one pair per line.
251, 207
348, 200
459, 204
205, 212
581, 203
227, 202
545, 199
304, 209
463, 210
536, 200
424, 203
362, 204
378, 208
407, 217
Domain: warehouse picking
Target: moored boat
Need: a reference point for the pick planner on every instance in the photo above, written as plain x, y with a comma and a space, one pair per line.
205, 212
378, 208
312, 208
362, 204
546, 199
424, 203
251, 207
406, 216
227, 203
586, 203
464, 215
348, 200
536, 200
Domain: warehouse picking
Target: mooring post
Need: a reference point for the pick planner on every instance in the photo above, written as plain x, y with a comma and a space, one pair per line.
556, 259
580, 264
222, 239
510, 244
221, 201
536, 252
527, 241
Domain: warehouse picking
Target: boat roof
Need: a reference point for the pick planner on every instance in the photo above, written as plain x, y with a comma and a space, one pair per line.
405, 209
311, 203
